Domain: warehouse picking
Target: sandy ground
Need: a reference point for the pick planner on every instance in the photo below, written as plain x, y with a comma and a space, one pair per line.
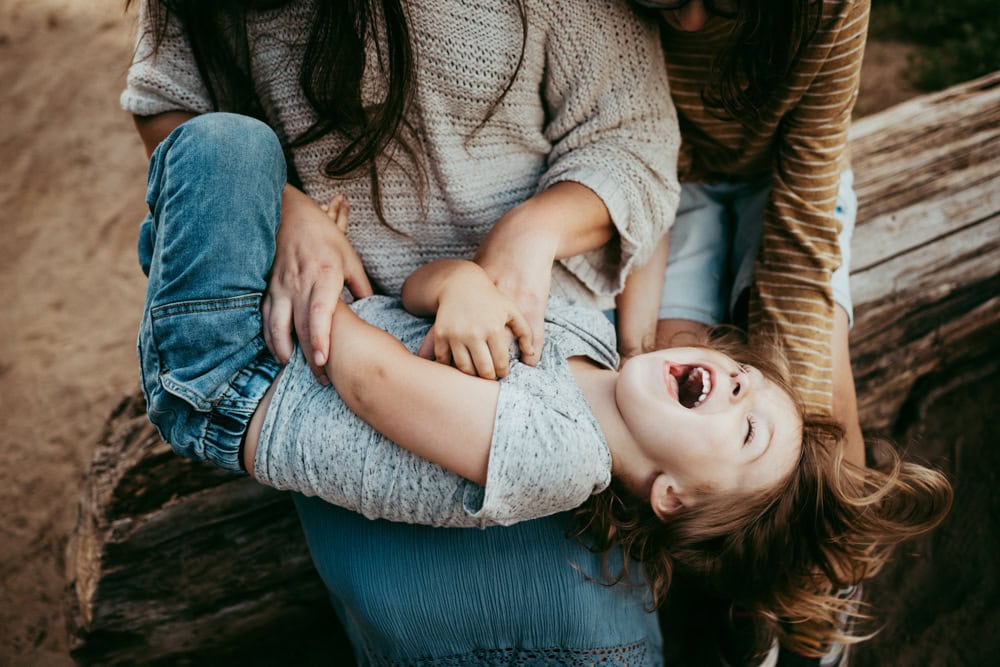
71, 196
72, 177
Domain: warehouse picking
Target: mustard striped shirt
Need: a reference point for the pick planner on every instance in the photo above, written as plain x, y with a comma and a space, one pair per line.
800, 142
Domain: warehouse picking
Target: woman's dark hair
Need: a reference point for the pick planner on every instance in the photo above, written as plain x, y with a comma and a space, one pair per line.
331, 75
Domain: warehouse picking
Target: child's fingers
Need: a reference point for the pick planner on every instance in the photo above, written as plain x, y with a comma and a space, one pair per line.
426, 350
518, 325
499, 344
461, 359
482, 359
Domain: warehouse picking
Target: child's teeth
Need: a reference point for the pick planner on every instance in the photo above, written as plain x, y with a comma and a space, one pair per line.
706, 386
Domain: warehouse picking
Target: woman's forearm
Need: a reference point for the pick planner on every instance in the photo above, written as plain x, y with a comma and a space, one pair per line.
568, 217
564, 220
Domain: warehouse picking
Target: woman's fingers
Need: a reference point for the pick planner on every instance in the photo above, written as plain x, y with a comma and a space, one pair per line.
265, 315
355, 277
278, 326
316, 329
340, 213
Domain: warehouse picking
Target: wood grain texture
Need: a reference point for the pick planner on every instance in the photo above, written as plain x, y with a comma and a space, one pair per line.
172, 559
926, 253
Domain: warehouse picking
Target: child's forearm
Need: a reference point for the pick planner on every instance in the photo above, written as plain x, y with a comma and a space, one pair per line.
434, 411
422, 289
638, 306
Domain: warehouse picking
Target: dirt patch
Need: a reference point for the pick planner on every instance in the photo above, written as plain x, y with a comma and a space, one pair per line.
71, 193
883, 81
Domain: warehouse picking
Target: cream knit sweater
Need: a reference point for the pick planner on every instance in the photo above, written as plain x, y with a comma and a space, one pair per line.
590, 103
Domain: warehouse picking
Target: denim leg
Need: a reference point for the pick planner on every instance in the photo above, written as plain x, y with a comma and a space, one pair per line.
696, 283
214, 196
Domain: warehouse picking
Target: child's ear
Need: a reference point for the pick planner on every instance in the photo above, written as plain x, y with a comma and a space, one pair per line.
664, 497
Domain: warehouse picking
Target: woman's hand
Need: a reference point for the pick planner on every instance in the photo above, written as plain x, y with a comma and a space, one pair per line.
313, 262
565, 220
474, 321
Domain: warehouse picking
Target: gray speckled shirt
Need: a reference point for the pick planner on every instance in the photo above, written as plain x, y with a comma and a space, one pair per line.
547, 455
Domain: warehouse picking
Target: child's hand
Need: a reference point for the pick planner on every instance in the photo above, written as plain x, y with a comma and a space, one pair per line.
474, 326
338, 210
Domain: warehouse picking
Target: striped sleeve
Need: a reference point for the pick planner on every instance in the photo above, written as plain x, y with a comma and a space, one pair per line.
799, 247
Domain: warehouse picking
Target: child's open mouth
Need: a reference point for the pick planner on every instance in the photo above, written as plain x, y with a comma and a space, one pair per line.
694, 384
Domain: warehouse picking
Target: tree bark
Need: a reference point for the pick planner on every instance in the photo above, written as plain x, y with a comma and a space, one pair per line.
173, 560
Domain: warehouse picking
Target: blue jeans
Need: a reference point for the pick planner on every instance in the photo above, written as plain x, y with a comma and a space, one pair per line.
207, 244
713, 245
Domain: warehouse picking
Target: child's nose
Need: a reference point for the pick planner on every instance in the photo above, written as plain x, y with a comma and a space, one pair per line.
739, 383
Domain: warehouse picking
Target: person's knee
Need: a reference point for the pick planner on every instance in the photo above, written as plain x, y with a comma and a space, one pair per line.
228, 143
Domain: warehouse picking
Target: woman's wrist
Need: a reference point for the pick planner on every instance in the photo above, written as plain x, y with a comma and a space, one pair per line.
564, 220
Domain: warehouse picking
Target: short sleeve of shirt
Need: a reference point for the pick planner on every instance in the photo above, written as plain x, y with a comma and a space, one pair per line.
164, 79
548, 452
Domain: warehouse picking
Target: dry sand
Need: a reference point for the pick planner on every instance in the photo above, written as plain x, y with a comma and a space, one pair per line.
72, 177
71, 196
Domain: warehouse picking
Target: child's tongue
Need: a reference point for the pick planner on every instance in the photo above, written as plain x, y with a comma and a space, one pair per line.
689, 386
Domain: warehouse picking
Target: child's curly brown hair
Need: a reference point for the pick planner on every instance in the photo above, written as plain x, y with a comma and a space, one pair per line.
781, 555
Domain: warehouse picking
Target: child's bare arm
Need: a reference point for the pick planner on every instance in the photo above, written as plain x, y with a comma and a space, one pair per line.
639, 303
474, 321
435, 411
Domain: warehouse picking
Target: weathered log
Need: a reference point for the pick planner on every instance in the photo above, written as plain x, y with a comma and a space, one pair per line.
925, 272
173, 561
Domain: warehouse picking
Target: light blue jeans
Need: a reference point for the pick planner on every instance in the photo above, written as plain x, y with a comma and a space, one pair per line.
207, 244
713, 245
